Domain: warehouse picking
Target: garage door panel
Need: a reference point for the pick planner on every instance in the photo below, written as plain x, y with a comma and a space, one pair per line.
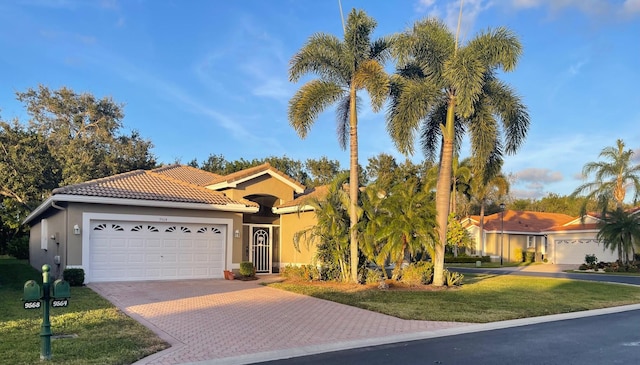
573, 251
139, 251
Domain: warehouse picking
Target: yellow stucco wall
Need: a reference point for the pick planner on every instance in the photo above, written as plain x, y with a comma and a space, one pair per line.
262, 185
290, 224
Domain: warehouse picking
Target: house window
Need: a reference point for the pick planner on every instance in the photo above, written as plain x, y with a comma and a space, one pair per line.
44, 234
531, 241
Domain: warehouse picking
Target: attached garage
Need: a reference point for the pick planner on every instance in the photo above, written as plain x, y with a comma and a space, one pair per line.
573, 250
133, 248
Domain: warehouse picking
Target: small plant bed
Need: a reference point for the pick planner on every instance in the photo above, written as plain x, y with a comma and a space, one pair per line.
481, 299
89, 331
592, 265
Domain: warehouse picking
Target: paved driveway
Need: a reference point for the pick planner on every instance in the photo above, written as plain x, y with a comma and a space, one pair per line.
233, 322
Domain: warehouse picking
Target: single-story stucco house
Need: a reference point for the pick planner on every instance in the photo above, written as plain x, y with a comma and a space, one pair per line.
180, 222
558, 238
173, 222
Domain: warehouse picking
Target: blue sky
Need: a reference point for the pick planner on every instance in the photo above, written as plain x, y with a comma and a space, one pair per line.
210, 77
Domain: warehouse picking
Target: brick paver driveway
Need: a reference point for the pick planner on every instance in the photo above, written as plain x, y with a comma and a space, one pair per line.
238, 322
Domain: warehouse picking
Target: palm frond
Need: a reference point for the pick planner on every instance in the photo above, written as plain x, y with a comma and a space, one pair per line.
372, 77
309, 101
322, 55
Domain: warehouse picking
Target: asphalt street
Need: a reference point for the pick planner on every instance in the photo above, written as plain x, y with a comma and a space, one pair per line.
605, 339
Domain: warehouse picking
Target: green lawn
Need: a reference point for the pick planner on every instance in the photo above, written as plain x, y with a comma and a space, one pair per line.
104, 334
483, 298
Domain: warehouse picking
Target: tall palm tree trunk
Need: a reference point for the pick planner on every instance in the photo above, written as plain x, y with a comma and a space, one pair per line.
443, 192
353, 183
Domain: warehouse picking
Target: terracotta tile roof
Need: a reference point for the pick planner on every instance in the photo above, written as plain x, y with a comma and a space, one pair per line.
523, 221
188, 174
256, 170
149, 185
318, 192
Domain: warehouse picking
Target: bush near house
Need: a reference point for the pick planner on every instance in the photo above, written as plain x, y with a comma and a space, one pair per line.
247, 269
75, 277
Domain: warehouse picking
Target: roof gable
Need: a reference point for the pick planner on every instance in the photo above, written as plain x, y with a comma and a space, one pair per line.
232, 180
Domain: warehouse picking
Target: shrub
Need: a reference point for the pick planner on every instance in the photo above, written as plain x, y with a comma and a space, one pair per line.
247, 269
529, 256
590, 259
418, 273
18, 247
304, 272
518, 255
452, 278
583, 267
75, 277
372, 275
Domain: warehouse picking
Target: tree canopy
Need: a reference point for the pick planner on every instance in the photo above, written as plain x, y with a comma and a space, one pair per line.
69, 138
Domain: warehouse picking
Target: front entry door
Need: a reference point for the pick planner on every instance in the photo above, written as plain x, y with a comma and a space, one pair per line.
261, 248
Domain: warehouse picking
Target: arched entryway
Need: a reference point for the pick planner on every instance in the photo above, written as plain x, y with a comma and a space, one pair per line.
261, 235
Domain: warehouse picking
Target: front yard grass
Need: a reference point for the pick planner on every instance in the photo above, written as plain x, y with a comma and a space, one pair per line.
483, 298
105, 335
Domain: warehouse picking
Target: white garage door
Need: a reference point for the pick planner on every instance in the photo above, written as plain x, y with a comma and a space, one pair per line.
128, 251
573, 251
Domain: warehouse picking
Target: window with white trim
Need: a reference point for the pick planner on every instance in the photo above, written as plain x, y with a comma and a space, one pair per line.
531, 241
44, 234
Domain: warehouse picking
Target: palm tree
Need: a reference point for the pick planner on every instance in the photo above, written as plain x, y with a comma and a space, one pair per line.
331, 232
398, 222
620, 231
485, 188
612, 178
446, 91
460, 180
343, 67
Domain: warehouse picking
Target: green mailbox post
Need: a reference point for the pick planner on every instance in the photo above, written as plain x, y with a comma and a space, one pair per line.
33, 298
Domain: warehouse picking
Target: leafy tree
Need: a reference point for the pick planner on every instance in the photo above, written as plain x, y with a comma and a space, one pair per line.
620, 231
457, 236
447, 90
28, 173
322, 171
289, 166
612, 178
83, 134
330, 234
343, 67
382, 169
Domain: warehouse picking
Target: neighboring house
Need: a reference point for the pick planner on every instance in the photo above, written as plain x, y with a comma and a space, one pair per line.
173, 222
559, 238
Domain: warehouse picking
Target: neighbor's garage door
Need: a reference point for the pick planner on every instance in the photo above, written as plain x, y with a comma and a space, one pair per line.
127, 251
573, 251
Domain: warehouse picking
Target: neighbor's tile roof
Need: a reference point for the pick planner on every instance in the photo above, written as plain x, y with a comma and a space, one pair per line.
523, 221
242, 174
188, 174
318, 192
149, 185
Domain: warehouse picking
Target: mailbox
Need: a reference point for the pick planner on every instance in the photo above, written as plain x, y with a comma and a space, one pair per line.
31, 291
61, 289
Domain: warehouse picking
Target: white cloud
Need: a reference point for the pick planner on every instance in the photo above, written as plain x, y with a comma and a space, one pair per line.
450, 12
537, 175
